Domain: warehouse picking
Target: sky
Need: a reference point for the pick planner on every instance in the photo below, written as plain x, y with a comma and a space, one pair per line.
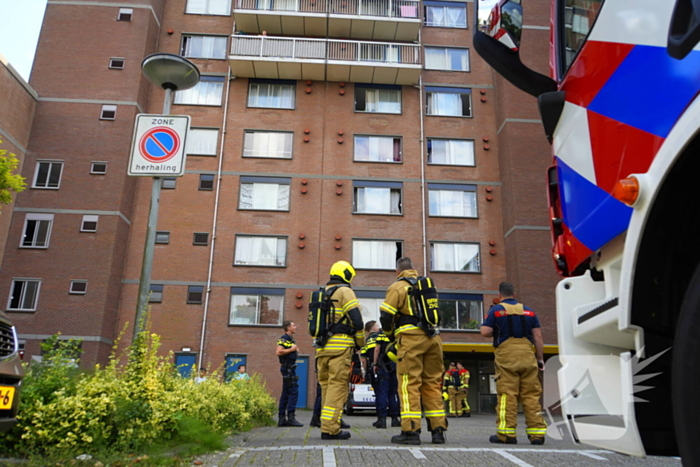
22, 19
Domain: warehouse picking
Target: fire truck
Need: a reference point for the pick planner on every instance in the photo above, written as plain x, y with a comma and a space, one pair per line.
621, 111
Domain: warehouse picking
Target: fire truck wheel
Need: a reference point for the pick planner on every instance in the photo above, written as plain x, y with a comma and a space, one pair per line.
686, 376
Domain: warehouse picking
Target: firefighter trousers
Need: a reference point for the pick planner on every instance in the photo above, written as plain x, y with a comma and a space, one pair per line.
333, 375
419, 371
456, 398
517, 379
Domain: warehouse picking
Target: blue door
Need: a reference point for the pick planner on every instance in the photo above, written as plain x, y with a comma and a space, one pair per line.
303, 374
233, 361
184, 363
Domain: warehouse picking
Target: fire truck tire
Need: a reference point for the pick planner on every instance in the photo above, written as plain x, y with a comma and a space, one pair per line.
686, 375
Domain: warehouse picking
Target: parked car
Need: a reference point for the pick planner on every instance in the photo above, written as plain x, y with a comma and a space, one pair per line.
360, 397
11, 374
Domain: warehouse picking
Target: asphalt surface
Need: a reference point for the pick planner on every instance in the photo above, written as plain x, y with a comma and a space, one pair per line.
467, 445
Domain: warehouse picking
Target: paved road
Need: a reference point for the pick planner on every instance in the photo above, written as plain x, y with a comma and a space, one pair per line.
467, 445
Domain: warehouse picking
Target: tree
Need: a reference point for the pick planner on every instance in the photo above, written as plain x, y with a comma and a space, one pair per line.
9, 181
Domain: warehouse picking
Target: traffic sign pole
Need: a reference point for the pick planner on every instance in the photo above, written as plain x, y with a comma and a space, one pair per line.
147, 265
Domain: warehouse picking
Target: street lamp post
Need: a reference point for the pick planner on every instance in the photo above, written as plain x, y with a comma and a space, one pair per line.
171, 73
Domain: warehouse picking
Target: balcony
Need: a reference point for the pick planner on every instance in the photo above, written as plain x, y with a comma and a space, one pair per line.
324, 60
380, 20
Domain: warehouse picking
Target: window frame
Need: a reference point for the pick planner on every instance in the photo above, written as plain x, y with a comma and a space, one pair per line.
278, 237
195, 289
391, 186
207, 12
162, 237
431, 243
23, 291
429, 149
166, 182
464, 188
73, 282
201, 180
31, 216
48, 176
253, 132
363, 87
125, 14
92, 168
445, 48
195, 242
112, 61
108, 108
186, 36
461, 297
449, 90
89, 218
394, 139
258, 292
443, 5
267, 181
397, 242
276, 82
212, 78
153, 292
191, 136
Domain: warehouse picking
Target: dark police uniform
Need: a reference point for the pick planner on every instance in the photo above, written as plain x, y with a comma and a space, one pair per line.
517, 375
386, 388
290, 386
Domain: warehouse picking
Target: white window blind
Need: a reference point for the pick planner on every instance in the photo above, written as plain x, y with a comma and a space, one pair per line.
450, 152
452, 203
202, 141
268, 144
261, 251
207, 92
455, 257
267, 196
374, 254
208, 7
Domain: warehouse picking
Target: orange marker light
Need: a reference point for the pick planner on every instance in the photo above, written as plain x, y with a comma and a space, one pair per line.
627, 190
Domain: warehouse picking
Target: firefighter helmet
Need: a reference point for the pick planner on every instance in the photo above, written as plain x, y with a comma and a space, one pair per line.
344, 270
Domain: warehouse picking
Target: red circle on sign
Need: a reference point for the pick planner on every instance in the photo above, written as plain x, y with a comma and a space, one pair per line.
168, 149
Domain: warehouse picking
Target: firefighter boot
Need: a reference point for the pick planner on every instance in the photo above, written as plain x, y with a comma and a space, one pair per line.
438, 436
340, 435
380, 423
315, 421
406, 437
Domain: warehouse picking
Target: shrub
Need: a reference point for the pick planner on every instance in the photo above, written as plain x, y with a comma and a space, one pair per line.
125, 407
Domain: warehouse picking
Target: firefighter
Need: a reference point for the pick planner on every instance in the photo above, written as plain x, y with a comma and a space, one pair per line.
453, 385
464, 389
367, 353
334, 358
515, 328
287, 351
420, 364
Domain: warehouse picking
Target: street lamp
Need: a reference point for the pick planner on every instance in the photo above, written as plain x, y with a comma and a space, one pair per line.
171, 73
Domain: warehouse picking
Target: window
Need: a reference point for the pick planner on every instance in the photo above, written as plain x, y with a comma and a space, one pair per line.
208, 7
376, 197
446, 58
116, 63
204, 46
37, 230
461, 311
24, 294
579, 17
260, 251
78, 287
264, 193
377, 149
206, 182
450, 152
195, 294
378, 98
168, 183
202, 142
452, 200
445, 14
207, 92
98, 168
370, 302
200, 238
451, 102
48, 174
156, 293
376, 254
272, 144
125, 14
256, 306
163, 237
109, 112
455, 257
89, 224
271, 94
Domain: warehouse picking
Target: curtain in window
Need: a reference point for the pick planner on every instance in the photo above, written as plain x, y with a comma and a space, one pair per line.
372, 100
383, 100
269, 196
202, 142
263, 251
435, 58
455, 257
196, 6
443, 103
207, 92
452, 152
435, 16
244, 309
452, 203
395, 201
219, 7
268, 144
374, 254
280, 96
458, 59
455, 17
373, 200
369, 307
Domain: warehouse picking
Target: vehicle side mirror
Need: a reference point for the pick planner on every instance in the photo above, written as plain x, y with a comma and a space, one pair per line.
498, 42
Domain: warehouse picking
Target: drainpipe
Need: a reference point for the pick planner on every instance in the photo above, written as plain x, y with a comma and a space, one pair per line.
216, 214
422, 171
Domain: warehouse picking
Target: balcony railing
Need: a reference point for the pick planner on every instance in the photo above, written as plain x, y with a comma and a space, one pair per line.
333, 50
385, 8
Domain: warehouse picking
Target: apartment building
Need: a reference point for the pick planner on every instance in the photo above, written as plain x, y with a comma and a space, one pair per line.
321, 130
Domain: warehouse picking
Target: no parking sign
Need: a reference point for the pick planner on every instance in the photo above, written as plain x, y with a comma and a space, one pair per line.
158, 147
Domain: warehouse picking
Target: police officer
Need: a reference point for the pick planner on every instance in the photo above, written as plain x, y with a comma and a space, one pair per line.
287, 353
515, 328
420, 365
386, 389
333, 359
